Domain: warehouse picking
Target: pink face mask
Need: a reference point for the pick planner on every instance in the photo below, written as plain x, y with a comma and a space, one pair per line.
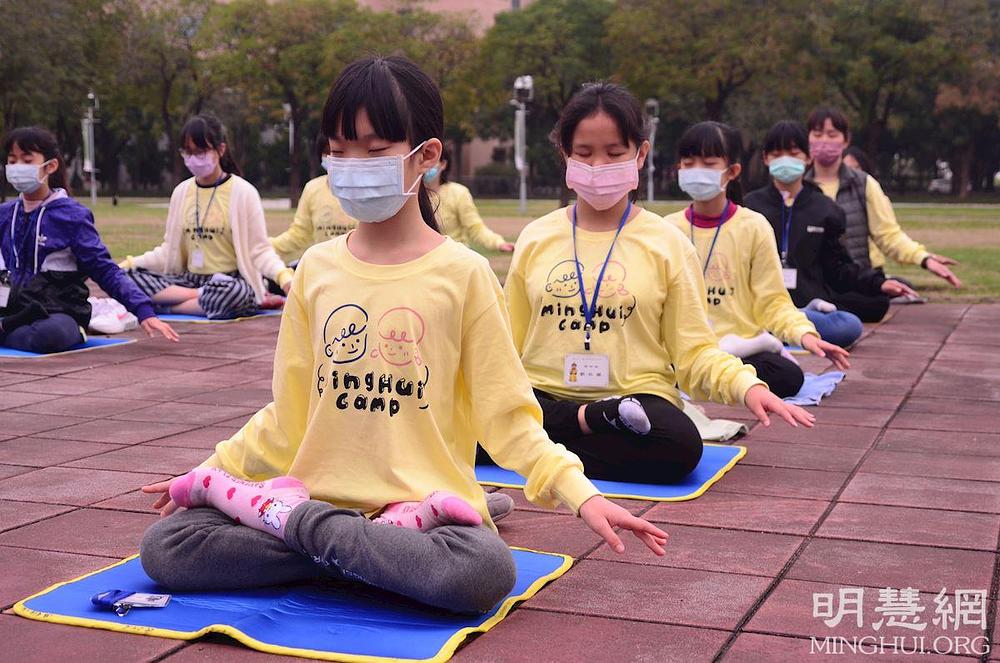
826, 152
200, 165
602, 186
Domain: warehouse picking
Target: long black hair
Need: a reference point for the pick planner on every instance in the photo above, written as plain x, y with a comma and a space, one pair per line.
714, 139
42, 141
207, 132
402, 102
443, 172
614, 100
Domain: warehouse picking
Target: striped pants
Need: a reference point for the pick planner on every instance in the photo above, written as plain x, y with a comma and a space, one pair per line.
221, 296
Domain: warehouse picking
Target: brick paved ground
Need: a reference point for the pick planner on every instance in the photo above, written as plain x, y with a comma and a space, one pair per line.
899, 486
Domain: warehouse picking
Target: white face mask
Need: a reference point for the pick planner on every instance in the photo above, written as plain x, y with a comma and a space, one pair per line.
700, 183
370, 190
25, 176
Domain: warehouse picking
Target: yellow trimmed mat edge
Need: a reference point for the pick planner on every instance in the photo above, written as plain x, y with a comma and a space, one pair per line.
444, 654
646, 498
223, 321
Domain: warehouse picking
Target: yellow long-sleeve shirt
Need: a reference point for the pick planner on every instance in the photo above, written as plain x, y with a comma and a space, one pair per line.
651, 322
385, 376
745, 291
885, 236
207, 232
459, 219
318, 217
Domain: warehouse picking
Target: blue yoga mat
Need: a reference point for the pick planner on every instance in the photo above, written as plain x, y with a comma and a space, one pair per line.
716, 461
92, 343
339, 621
182, 317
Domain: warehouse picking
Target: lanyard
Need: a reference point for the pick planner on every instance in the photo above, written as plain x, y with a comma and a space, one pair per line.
715, 238
589, 311
197, 211
13, 245
786, 229
13, 239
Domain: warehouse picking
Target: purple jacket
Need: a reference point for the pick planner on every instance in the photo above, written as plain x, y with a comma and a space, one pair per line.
49, 254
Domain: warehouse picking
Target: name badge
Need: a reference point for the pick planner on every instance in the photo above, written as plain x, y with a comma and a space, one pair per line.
197, 258
814, 229
790, 277
586, 370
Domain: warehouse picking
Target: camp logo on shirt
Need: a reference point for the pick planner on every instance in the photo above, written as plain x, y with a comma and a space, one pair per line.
614, 301
718, 272
206, 232
331, 230
398, 335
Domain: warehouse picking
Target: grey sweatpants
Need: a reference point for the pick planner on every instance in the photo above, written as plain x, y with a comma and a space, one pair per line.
462, 569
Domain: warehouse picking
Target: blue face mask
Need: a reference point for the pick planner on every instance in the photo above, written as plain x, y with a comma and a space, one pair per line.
25, 177
701, 183
431, 175
787, 169
370, 189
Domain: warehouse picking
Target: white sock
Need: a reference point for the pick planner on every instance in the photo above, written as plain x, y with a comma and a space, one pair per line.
820, 305
633, 416
744, 347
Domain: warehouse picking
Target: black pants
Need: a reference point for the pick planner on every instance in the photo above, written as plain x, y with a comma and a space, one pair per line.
668, 453
870, 308
783, 377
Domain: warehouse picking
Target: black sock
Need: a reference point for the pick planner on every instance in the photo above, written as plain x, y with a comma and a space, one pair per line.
30, 313
610, 415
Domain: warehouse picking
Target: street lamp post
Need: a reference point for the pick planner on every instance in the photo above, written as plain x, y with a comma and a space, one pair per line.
89, 156
653, 118
524, 92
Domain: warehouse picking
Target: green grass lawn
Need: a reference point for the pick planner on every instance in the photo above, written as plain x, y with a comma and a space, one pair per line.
968, 233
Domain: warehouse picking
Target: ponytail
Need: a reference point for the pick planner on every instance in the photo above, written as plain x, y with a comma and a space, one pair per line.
427, 207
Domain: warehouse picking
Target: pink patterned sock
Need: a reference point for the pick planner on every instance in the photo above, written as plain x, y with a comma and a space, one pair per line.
437, 509
263, 505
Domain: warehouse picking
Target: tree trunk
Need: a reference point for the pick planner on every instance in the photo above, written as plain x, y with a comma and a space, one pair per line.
873, 136
168, 128
963, 170
713, 109
455, 164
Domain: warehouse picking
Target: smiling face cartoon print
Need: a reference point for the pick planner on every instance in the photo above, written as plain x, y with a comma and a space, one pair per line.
345, 334
562, 280
613, 283
400, 331
718, 270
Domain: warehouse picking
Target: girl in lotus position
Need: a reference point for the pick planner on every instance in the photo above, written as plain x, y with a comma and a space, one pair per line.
394, 357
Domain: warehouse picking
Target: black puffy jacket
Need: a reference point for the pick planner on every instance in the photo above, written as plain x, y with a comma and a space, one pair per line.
814, 246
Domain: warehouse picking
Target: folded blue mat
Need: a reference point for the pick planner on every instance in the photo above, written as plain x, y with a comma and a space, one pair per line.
182, 317
816, 387
92, 343
329, 621
715, 461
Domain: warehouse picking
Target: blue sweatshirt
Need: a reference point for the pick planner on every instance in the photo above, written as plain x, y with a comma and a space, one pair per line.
51, 252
